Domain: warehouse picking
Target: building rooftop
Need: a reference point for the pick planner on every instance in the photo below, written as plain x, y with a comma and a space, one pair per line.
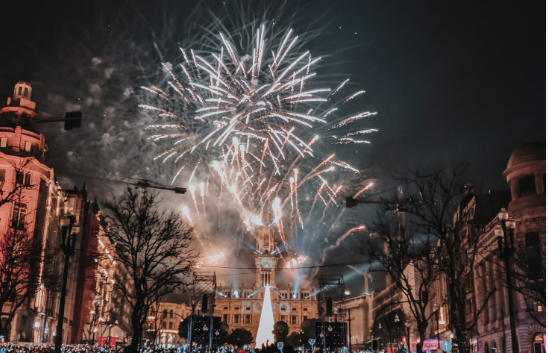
535, 151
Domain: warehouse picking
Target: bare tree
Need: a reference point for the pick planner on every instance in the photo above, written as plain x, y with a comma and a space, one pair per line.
411, 262
154, 246
441, 203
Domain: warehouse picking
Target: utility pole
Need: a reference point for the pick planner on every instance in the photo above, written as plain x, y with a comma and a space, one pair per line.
67, 246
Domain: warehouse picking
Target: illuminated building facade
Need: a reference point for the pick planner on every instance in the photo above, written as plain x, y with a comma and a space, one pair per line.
241, 307
37, 210
162, 325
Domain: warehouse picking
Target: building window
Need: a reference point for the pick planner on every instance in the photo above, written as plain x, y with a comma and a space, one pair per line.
305, 309
293, 320
28, 146
171, 314
538, 307
247, 319
283, 318
164, 313
2, 175
527, 186
4, 142
163, 324
294, 309
19, 215
237, 308
305, 318
23, 179
236, 319
170, 325
225, 318
266, 278
225, 308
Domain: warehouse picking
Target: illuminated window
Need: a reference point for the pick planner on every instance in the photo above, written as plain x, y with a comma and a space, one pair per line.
28, 146
4, 142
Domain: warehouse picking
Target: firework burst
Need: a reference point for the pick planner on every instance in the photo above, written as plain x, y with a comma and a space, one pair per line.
249, 122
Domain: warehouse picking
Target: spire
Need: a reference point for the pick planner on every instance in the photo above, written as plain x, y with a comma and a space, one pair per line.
266, 323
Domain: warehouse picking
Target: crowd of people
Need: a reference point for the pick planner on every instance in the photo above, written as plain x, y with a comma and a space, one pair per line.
84, 348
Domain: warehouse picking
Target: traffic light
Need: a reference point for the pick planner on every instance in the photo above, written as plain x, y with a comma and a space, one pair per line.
375, 345
204, 302
75, 120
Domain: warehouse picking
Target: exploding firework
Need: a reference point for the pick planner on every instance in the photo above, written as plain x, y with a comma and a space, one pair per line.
211, 259
250, 123
296, 261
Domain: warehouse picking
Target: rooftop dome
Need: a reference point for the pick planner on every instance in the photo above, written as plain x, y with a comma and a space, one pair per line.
535, 151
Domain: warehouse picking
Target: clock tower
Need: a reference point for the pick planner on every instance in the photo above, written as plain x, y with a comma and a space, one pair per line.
265, 261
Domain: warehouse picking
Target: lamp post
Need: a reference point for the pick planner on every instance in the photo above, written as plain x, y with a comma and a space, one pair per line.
397, 320
67, 246
506, 252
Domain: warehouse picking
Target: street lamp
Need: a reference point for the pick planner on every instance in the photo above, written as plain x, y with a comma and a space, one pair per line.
67, 246
506, 252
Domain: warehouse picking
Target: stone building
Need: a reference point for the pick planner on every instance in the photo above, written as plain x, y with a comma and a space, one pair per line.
240, 307
37, 210
526, 175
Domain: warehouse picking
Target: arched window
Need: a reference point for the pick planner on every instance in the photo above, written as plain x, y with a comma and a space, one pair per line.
171, 314
26, 92
538, 343
165, 313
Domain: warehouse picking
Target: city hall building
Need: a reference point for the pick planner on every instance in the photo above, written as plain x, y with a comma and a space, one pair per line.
241, 307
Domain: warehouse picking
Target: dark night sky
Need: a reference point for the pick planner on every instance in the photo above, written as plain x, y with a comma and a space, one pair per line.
450, 79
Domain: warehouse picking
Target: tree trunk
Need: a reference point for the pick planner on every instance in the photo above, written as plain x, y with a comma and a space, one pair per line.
136, 324
422, 334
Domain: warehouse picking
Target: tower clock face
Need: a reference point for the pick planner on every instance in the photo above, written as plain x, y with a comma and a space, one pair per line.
266, 262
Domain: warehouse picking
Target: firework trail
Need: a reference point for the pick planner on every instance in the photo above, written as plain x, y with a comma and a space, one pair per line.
242, 121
